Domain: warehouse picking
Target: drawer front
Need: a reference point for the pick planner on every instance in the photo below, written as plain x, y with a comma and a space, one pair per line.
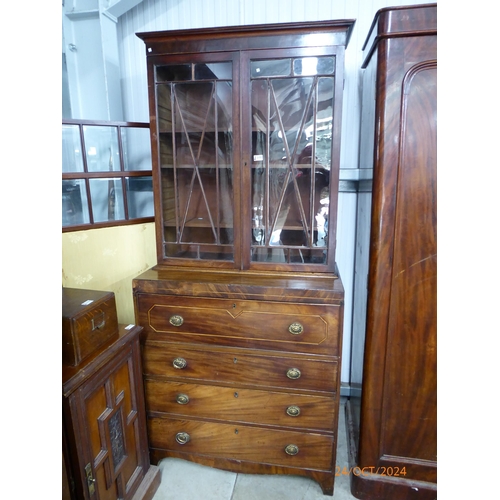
238, 368
240, 442
273, 325
241, 405
87, 326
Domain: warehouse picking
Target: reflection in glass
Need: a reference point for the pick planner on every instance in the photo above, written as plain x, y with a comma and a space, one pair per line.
107, 199
308, 66
136, 148
291, 152
140, 197
75, 209
274, 67
173, 72
101, 147
72, 160
213, 71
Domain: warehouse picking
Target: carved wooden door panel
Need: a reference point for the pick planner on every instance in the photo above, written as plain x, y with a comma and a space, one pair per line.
108, 413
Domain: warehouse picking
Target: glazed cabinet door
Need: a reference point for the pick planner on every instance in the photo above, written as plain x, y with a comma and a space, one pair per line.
292, 156
245, 145
195, 105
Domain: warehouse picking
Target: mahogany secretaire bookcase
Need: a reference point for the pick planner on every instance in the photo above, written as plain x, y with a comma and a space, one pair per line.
243, 314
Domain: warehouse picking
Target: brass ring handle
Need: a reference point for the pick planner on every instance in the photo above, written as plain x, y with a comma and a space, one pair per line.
293, 411
291, 449
176, 320
182, 399
293, 373
182, 437
179, 363
295, 328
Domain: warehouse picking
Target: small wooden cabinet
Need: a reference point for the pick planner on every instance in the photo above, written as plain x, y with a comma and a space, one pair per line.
105, 448
243, 314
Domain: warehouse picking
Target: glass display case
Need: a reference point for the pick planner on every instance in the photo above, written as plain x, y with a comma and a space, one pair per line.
245, 144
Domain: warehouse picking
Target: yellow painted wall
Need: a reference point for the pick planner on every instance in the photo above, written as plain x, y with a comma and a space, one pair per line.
108, 259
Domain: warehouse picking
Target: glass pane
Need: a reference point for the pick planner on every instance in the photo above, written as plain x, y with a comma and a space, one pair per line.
72, 159
212, 252
107, 199
324, 122
213, 71
75, 208
136, 146
275, 67
196, 147
174, 72
291, 153
101, 147
140, 197
164, 107
307, 66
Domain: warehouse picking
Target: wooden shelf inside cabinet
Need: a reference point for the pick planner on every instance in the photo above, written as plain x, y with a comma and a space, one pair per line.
202, 167
199, 222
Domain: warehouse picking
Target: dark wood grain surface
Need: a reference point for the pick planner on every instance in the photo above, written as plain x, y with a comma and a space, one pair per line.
398, 427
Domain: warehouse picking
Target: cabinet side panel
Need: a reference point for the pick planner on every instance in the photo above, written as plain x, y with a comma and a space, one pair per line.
413, 315
398, 412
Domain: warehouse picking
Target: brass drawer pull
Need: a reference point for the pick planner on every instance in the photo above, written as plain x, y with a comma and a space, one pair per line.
291, 449
182, 437
293, 411
182, 399
293, 373
176, 320
179, 363
295, 328
98, 322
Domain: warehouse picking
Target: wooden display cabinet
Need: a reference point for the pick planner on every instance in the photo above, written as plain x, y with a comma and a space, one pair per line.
246, 124
245, 306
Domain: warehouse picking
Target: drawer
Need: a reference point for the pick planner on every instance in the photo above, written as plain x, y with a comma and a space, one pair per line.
89, 320
240, 442
239, 368
241, 405
269, 325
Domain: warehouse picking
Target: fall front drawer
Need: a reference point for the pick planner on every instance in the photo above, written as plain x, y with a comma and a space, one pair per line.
239, 368
242, 442
292, 327
241, 405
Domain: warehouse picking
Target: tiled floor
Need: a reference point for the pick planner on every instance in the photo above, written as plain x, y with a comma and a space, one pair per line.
183, 480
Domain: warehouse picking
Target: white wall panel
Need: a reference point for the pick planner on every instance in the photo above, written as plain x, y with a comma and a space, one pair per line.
346, 236
155, 15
